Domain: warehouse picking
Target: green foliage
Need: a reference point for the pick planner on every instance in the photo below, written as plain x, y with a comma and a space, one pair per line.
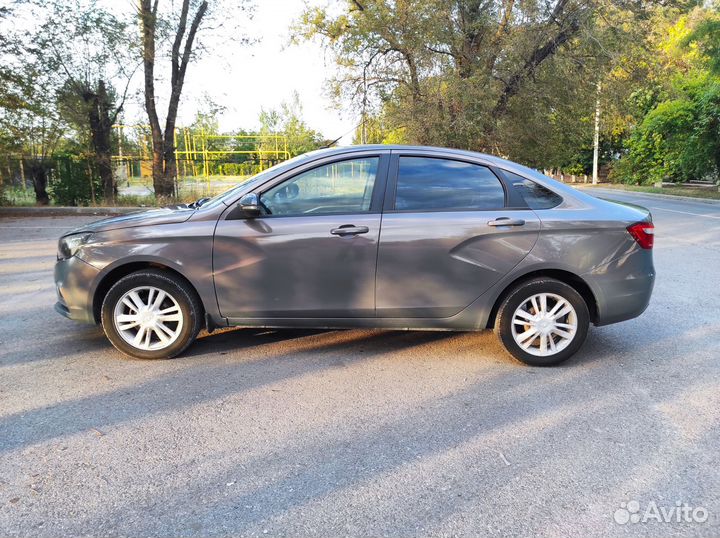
506, 77
706, 36
679, 139
74, 181
237, 169
288, 121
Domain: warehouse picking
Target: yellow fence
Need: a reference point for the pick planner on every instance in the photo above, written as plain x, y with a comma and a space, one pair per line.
199, 154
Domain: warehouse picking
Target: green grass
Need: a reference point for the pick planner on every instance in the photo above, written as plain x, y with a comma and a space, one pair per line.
673, 191
15, 196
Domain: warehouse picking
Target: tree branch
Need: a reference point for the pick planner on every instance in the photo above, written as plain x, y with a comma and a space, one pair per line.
177, 43
541, 52
179, 80
120, 106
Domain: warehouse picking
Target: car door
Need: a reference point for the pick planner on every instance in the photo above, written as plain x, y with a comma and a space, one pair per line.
451, 229
313, 250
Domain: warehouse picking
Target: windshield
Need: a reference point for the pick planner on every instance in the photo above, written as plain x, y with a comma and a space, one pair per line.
257, 179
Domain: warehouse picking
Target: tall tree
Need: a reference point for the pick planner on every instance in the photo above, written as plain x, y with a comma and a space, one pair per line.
503, 76
30, 128
163, 140
452, 63
87, 50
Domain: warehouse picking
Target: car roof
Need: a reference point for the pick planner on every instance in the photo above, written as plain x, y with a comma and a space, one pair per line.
365, 147
338, 150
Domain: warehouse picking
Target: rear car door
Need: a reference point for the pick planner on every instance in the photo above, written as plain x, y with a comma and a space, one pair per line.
313, 251
451, 229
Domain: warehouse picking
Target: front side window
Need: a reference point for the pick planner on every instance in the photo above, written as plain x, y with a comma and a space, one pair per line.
340, 187
535, 195
431, 184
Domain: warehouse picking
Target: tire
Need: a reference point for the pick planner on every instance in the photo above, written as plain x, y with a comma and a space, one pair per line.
136, 303
565, 333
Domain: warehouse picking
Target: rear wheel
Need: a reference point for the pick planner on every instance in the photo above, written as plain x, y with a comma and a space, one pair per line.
151, 314
542, 322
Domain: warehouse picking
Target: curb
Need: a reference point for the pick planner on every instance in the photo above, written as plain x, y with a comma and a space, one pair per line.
50, 211
600, 190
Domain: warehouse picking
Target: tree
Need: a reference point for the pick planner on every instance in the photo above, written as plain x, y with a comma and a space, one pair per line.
446, 71
33, 131
29, 125
677, 131
11, 79
86, 50
164, 165
288, 121
507, 77
706, 35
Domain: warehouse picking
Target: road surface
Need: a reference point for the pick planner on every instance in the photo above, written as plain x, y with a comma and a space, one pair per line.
370, 433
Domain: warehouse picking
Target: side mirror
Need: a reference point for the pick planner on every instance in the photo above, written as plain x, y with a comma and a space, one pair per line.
249, 205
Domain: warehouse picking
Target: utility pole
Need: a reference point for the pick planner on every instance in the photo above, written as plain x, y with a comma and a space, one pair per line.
363, 129
596, 137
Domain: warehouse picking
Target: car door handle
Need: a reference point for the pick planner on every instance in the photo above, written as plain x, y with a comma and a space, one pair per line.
349, 229
506, 221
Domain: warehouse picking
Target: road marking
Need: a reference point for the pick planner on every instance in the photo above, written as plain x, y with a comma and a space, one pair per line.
686, 213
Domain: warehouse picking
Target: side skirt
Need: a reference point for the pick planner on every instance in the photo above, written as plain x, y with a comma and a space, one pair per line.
444, 324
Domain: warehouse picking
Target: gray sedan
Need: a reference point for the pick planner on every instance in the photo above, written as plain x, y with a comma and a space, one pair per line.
367, 236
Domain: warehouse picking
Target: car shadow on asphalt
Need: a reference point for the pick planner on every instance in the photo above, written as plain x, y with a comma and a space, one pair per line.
468, 431
202, 380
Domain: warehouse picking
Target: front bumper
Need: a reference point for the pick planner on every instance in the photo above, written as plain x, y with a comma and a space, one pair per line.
74, 282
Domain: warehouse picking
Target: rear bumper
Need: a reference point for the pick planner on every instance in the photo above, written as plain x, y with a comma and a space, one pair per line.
74, 280
623, 287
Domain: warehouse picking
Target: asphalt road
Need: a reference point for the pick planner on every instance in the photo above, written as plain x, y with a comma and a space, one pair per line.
372, 433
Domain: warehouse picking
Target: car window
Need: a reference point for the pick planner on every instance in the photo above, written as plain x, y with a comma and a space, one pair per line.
535, 195
339, 187
428, 183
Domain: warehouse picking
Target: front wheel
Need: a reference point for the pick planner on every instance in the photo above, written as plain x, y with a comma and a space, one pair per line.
542, 322
151, 314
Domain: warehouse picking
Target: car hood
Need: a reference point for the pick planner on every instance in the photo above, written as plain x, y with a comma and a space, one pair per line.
165, 215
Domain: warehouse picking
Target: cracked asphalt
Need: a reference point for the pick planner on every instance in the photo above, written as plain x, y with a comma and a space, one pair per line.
362, 433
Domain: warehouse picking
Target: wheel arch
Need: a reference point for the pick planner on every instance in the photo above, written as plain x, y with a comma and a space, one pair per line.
118, 272
567, 277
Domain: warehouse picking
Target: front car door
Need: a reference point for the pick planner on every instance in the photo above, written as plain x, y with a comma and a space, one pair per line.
451, 229
312, 253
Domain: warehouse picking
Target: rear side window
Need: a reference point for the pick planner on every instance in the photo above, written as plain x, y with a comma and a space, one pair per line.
431, 184
535, 195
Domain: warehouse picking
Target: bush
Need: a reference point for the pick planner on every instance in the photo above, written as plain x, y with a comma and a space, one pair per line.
679, 139
74, 181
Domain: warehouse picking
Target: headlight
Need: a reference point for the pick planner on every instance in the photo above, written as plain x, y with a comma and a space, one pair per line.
70, 244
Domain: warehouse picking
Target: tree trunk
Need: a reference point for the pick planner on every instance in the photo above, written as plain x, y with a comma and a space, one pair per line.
38, 170
164, 165
148, 19
158, 168
596, 134
100, 130
170, 163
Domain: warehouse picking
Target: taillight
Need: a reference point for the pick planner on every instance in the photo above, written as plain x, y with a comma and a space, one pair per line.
643, 233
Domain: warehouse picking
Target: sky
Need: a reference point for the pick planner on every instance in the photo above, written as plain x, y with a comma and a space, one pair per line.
247, 78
